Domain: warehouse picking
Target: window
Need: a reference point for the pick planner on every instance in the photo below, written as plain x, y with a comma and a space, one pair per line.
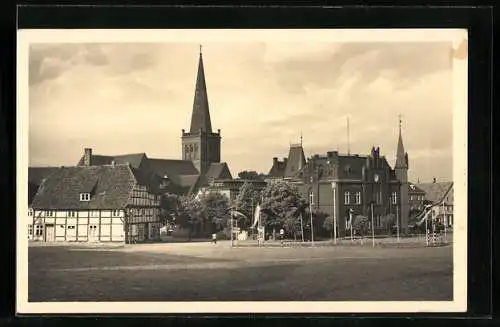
49, 213
84, 196
30, 230
394, 198
61, 226
411, 197
357, 197
71, 227
30, 212
71, 214
347, 196
38, 230
116, 213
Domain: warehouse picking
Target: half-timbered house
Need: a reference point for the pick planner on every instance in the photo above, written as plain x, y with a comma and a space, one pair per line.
107, 203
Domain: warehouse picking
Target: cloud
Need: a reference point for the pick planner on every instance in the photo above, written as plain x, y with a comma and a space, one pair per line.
406, 62
123, 98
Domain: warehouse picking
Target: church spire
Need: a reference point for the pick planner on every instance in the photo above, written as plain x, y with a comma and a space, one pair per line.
401, 155
200, 118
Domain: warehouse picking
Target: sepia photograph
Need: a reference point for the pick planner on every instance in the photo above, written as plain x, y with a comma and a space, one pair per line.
242, 171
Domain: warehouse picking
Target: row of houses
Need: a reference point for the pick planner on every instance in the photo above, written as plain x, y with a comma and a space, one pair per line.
119, 197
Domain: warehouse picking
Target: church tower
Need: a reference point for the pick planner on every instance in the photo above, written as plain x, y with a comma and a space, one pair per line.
200, 145
401, 170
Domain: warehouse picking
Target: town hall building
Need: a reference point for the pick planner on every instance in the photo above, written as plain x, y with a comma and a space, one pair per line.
346, 185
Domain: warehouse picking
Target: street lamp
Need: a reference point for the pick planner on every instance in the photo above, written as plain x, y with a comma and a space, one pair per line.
334, 187
310, 210
373, 229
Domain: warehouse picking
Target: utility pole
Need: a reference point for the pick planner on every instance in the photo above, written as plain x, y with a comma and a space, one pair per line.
334, 212
348, 138
310, 210
445, 223
427, 228
350, 223
397, 222
301, 227
232, 225
373, 230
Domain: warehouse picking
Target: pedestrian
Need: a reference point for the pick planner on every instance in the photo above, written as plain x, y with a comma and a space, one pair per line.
282, 235
214, 238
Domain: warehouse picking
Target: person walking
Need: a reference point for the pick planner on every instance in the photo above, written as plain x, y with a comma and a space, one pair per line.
214, 238
282, 236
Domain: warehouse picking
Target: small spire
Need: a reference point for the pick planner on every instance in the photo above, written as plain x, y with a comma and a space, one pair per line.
401, 156
200, 49
300, 138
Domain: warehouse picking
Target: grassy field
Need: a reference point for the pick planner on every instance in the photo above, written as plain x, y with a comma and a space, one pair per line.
208, 272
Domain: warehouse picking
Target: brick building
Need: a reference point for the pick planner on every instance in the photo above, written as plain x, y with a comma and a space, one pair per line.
342, 183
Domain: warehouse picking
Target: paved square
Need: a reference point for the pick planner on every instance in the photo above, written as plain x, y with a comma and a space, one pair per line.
207, 272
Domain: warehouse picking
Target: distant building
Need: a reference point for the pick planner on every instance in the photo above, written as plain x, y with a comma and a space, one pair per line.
107, 203
436, 192
416, 196
231, 188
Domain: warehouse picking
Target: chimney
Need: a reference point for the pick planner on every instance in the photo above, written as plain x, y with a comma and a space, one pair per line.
285, 160
275, 160
87, 157
434, 180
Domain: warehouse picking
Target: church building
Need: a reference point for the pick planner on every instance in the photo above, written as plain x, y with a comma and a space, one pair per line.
201, 152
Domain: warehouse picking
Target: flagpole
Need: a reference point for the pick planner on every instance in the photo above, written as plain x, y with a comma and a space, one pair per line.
231, 220
445, 223
397, 222
301, 227
312, 227
350, 223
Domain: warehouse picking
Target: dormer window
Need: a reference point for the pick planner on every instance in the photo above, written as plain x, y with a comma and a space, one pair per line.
84, 196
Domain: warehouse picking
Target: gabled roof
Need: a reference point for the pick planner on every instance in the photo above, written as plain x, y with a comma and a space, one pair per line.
134, 159
414, 189
37, 174
218, 170
62, 189
434, 192
172, 169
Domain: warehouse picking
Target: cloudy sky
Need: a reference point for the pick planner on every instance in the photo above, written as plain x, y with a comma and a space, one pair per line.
128, 97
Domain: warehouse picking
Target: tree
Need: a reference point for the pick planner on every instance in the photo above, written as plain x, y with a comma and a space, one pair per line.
169, 204
190, 214
282, 204
360, 224
215, 209
249, 175
204, 214
245, 202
